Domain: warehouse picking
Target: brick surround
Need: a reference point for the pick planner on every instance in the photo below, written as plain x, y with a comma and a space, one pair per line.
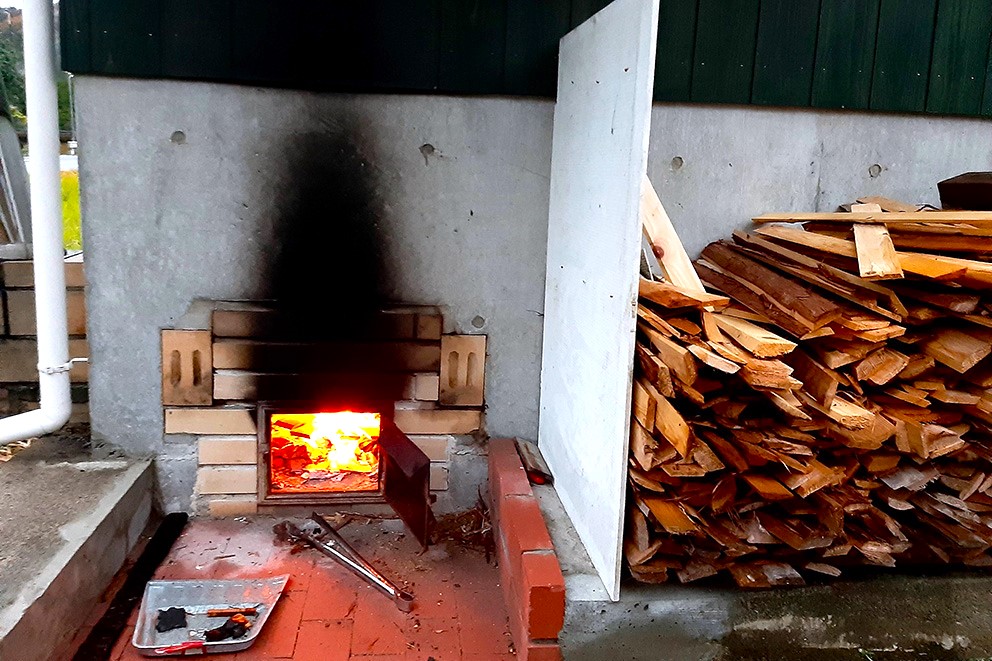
533, 585
224, 357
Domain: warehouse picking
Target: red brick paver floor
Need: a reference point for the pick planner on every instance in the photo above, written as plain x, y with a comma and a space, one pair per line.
327, 614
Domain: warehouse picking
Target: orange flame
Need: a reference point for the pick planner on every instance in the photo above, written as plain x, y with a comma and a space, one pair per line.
335, 442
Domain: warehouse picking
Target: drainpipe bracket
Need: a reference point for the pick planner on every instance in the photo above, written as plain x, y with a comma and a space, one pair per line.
58, 369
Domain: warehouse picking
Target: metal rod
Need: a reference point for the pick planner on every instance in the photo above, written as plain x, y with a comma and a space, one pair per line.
339, 551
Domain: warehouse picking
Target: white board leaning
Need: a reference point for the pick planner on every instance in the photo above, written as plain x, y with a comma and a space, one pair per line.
598, 160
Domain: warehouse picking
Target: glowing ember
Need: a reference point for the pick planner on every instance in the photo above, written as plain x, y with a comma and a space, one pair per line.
324, 452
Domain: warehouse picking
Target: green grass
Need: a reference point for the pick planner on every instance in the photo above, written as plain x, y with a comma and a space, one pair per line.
72, 233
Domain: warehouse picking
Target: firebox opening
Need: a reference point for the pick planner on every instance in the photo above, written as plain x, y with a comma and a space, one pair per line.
324, 452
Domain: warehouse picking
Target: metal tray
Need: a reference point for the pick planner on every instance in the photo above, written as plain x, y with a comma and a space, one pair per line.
197, 596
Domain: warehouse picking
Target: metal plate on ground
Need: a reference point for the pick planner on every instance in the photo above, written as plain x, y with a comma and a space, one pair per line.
197, 597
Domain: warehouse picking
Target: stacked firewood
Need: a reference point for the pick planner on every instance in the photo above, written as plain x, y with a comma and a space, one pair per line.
829, 406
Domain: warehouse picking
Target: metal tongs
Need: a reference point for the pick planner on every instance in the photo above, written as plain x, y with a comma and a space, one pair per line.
331, 544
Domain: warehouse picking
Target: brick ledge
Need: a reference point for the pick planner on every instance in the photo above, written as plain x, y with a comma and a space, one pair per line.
533, 585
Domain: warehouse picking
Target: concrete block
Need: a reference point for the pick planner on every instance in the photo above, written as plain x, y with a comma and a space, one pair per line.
427, 421
214, 421
429, 326
463, 370
439, 476
226, 480
435, 447
426, 387
230, 506
220, 450
187, 376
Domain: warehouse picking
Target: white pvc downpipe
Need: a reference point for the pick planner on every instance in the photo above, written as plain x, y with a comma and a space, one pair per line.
46, 223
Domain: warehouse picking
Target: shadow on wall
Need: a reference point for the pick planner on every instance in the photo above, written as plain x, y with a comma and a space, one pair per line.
327, 271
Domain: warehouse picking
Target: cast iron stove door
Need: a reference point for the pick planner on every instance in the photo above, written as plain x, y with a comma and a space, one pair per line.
407, 487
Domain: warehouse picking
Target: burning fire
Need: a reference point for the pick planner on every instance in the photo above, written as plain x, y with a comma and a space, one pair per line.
324, 446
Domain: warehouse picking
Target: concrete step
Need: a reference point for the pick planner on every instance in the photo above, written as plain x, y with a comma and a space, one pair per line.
66, 524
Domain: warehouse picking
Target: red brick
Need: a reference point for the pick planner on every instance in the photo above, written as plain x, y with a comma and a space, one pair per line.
278, 637
331, 594
379, 626
482, 623
328, 640
434, 638
509, 598
541, 592
506, 474
522, 528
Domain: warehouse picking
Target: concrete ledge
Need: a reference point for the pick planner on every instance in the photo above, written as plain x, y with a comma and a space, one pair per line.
881, 616
48, 608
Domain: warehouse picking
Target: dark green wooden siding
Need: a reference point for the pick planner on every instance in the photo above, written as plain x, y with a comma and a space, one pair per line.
889, 55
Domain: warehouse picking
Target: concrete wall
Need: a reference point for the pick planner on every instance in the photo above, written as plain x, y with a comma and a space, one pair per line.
187, 189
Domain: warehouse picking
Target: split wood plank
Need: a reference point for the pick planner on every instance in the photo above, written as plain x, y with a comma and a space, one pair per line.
877, 258
976, 217
759, 304
819, 381
837, 281
931, 266
644, 404
789, 295
672, 426
672, 296
759, 341
888, 204
677, 358
714, 360
958, 350
669, 515
665, 241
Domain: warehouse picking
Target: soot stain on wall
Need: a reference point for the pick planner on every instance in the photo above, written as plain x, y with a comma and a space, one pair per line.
328, 265
327, 272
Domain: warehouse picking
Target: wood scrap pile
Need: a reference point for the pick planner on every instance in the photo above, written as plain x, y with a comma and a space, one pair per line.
826, 402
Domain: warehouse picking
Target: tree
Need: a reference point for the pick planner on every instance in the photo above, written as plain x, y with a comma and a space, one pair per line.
11, 76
